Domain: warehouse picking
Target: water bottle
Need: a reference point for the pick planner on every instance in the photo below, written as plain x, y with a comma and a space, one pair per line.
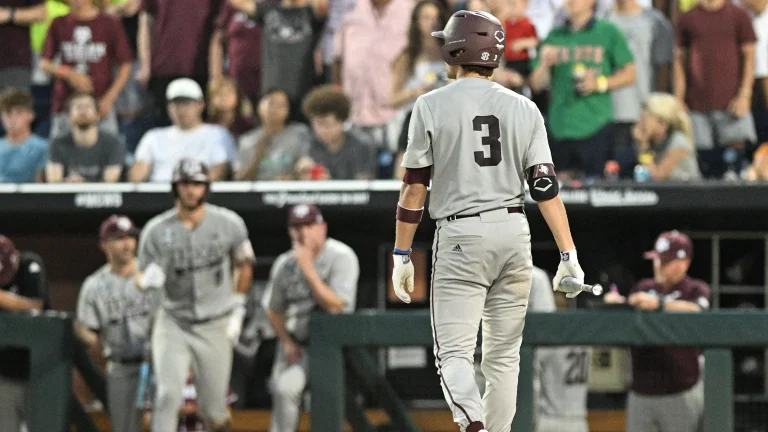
642, 173
611, 171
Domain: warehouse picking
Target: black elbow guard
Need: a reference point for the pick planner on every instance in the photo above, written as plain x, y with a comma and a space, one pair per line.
542, 182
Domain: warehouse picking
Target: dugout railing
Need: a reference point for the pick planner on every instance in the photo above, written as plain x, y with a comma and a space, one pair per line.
715, 332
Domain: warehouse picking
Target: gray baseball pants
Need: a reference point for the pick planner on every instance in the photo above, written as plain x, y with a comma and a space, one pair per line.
680, 412
13, 404
177, 345
122, 385
481, 270
287, 385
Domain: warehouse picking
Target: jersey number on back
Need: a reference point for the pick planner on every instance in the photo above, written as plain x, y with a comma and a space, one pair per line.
578, 367
491, 140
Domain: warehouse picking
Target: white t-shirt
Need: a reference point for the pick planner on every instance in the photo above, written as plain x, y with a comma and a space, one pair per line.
164, 147
760, 24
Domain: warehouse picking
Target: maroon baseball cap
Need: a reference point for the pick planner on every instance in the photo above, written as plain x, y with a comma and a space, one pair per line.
303, 214
9, 260
671, 245
117, 226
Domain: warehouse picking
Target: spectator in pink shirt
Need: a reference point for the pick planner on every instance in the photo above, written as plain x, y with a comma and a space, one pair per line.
363, 64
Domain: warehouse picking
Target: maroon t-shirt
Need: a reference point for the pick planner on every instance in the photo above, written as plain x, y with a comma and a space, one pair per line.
16, 51
665, 371
243, 40
94, 47
713, 40
181, 35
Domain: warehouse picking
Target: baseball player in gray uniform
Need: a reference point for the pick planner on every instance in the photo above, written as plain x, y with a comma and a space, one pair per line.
561, 374
203, 257
112, 309
317, 273
478, 142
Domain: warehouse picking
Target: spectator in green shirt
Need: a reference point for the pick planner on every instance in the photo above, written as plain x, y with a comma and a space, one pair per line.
582, 61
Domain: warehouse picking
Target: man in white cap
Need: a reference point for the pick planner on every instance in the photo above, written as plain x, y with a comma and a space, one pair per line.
188, 137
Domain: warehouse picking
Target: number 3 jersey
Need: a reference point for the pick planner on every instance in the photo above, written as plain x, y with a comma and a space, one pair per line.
480, 138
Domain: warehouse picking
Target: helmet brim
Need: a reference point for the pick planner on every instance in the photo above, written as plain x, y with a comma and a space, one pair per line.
438, 34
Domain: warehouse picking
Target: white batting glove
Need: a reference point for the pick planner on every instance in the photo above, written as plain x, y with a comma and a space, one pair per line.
569, 266
235, 325
402, 276
153, 277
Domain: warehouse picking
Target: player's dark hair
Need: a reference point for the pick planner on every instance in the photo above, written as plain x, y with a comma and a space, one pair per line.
480, 70
79, 95
415, 38
16, 98
325, 100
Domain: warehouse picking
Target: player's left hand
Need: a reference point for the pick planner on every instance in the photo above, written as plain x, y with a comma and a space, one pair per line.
569, 266
402, 276
643, 301
739, 106
235, 326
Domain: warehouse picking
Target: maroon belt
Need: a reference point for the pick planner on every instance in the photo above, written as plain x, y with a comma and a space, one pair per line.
509, 210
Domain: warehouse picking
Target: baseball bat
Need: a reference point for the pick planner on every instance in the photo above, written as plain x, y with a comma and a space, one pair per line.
143, 383
574, 285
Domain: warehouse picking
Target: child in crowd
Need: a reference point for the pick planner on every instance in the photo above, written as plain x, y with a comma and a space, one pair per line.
228, 107
521, 37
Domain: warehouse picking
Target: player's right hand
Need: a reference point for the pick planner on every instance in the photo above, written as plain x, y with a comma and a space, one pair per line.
402, 276
569, 266
292, 352
153, 277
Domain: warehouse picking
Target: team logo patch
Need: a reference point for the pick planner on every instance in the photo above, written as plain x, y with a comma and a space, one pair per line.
485, 56
499, 35
168, 236
301, 211
123, 224
662, 245
542, 184
541, 170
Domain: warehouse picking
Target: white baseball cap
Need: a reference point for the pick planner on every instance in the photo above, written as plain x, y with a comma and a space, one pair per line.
183, 88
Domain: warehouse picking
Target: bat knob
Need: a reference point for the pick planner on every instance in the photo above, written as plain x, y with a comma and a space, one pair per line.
597, 289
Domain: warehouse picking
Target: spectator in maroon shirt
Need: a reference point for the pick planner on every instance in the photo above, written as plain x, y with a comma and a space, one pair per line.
91, 45
172, 43
672, 373
16, 57
239, 37
228, 107
714, 71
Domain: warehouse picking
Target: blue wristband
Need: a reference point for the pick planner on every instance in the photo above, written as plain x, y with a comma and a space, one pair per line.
402, 252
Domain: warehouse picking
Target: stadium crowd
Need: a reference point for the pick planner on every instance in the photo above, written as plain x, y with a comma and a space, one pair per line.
120, 90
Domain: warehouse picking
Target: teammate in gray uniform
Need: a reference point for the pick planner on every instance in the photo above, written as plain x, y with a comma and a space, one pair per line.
318, 272
478, 142
113, 310
561, 374
192, 249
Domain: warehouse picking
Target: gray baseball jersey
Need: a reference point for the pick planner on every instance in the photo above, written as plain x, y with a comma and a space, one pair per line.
561, 373
198, 263
288, 291
479, 137
121, 312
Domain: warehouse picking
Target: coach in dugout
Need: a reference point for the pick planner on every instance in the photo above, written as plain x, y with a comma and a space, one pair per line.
667, 393
23, 287
318, 273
